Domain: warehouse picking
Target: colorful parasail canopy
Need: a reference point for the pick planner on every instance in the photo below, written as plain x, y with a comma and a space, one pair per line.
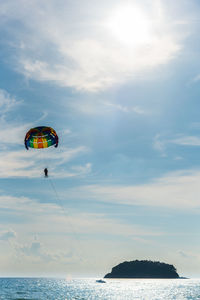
41, 137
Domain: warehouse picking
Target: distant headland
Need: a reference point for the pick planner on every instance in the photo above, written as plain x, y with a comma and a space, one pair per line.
143, 269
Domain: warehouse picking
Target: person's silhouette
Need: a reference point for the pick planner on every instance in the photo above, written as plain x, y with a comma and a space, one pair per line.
45, 172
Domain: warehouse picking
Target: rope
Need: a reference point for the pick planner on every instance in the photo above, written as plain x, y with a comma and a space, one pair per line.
66, 213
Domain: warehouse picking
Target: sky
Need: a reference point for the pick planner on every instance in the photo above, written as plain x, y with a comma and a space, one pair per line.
119, 81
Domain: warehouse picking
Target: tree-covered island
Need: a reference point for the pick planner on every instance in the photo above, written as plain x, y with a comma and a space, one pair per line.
143, 269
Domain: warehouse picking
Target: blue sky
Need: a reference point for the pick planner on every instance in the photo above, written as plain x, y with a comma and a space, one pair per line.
119, 82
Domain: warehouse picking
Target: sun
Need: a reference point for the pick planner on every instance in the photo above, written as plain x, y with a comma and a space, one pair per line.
130, 25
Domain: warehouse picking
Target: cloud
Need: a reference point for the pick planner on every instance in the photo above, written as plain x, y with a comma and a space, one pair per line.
195, 79
78, 50
24, 205
53, 218
187, 141
7, 102
160, 143
178, 191
112, 65
12, 133
41, 227
98, 106
126, 109
82, 169
100, 224
36, 251
186, 255
7, 235
23, 163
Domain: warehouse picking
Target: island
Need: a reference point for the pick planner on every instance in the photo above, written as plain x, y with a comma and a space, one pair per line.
143, 269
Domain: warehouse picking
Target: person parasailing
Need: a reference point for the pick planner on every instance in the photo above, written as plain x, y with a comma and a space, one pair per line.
45, 172
39, 138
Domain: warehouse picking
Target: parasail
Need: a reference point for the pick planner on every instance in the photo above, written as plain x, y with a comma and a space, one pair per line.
41, 137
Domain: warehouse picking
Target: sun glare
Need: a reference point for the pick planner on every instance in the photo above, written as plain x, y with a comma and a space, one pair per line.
129, 25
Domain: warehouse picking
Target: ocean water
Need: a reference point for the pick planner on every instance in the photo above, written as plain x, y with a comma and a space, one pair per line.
89, 289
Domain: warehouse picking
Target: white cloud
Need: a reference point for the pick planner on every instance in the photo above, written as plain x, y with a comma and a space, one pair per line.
196, 78
7, 102
66, 131
12, 133
7, 235
188, 256
55, 218
45, 218
108, 64
77, 50
187, 141
98, 106
37, 252
126, 109
23, 163
24, 205
41, 227
83, 169
160, 143
177, 190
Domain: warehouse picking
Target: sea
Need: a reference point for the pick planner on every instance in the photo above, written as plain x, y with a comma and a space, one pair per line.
89, 289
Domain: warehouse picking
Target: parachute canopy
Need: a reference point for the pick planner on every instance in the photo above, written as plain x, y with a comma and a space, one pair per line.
41, 137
